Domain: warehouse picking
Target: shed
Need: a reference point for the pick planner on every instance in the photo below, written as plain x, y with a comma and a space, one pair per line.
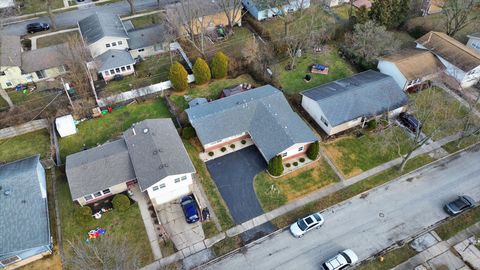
65, 125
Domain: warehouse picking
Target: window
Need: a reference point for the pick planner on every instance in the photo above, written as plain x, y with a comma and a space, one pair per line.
10, 260
117, 70
41, 74
107, 45
324, 121
162, 185
8, 84
97, 194
128, 67
114, 44
155, 188
141, 50
112, 71
177, 180
300, 149
284, 154
123, 68
106, 191
107, 73
120, 42
88, 197
184, 177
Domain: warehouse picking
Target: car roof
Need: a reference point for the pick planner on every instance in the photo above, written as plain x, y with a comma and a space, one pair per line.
309, 220
336, 262
468, 199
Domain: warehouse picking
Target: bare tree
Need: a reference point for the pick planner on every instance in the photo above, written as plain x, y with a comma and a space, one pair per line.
471, 124
132, 6
232, 9
283, 9
51, 15
458, 15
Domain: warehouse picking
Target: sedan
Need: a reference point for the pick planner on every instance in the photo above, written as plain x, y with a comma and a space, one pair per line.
341, 260
459, 205
189, 207
299, 228
37, 27
410, 122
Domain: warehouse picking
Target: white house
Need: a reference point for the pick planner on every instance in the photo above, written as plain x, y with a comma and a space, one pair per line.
263, 9
350, 102
474, 41
460, 61
150, 155
411, 68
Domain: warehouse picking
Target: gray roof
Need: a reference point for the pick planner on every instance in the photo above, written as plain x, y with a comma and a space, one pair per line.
268, 4
146, 37
99, 25
197, 101
98, 168
45, 58
262, 112
113, 59
10, 51
475, 35
156, 151
23, 213
368, 93
202, 8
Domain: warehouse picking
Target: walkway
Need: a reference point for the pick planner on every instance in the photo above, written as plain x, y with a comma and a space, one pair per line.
140, 198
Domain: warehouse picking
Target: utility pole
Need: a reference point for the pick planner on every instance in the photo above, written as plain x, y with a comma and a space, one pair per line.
66, 91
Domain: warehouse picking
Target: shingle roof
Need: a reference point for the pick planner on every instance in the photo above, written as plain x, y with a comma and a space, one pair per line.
205, 8
475, 35
45, 58
10, 51
262, 112
23, 213
368, 93
145, 37
156, 151
98, 168
99, 25
415, 63
113, 59
451, 50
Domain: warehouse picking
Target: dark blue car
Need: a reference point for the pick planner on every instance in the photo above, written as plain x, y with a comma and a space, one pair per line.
189, 207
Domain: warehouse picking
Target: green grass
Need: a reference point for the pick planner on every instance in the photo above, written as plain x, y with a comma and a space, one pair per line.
350, 191
128, 224
33, 6
273, 193
391, 259
292, 81
211, 190
354, 155
37, 98
226, 245
343, 11
56, 39
98, 131
147, 20
453, 146
26, 145
458, 223
209, 229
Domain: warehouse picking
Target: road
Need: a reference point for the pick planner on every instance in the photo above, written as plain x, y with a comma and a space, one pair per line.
69, 19
367, 225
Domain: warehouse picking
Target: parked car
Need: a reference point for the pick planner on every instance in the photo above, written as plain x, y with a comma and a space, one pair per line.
189, 207
37, 27
341, 260
459, 205
303, 225
410, 121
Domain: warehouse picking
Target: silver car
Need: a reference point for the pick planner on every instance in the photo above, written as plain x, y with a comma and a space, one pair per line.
303, 225
459, 205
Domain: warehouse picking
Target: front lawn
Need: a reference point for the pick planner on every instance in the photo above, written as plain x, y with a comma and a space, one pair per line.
390, 259
146, 20
128, 224
56, 39
25, 145
292, 81
353, 155
98, 131
34, 6
273, 193
458, 223
454, 146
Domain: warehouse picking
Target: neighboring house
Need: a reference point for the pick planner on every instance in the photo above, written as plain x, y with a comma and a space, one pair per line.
204, 15
474, 41
334, 3
353, 101
7, 4
411, 68
262, 114
113, 49
24, 225
264, 9
150, 154
460, 61
17, 67
361, 3
432, 6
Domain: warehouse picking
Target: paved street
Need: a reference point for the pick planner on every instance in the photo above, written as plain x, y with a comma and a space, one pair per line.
369, 224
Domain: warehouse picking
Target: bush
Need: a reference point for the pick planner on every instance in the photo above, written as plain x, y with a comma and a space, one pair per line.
219, 65
210, 153
275, 166
178, 76
188, 133
295, 163
121, 202
372, 124
201, 71
232, 146
302, 160
84, 213
27, 44
313, 149
417, 31
288, 165
223, 149
243, 142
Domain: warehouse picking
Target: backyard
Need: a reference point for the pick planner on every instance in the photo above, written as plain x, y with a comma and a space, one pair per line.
26, 145
98, 131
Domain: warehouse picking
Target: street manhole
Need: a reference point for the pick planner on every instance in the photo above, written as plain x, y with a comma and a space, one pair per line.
381, 214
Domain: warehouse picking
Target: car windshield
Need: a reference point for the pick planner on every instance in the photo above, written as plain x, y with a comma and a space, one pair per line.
317, 217
346, 257
459, 204
186, 202
302, 225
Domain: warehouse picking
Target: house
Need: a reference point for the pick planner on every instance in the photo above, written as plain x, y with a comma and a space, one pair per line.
17, 67
113, 49
262, 114
346, 103
334, 3
24, 224
362, 3
432, 6
7, 4
474, 41
264, 9
460, 61
411, 68
150, 154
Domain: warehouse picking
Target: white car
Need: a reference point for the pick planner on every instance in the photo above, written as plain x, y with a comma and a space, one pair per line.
299, 228
341, 260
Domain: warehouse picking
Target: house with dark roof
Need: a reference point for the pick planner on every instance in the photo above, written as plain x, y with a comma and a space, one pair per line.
262, 114
460, 61
24, 224
350, 102
474, 41
411, 68
264, 9
150, 154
